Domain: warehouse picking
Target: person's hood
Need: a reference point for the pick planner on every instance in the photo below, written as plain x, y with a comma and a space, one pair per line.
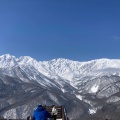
40, 108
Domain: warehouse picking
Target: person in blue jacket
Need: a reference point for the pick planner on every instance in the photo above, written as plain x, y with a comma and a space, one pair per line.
40, 113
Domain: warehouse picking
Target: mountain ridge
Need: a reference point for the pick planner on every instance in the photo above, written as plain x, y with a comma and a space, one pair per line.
88, 86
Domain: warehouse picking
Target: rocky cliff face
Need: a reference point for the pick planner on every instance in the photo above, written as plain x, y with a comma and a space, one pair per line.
84, 88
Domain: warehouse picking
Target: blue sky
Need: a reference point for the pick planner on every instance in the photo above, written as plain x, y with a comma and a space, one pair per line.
79, 30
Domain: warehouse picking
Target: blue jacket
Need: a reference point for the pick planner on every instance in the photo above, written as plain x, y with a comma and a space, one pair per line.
40, 114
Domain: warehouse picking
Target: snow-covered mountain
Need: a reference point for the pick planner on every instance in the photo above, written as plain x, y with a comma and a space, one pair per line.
82, 87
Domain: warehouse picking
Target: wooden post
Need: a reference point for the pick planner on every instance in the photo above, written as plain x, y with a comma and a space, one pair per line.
63, 116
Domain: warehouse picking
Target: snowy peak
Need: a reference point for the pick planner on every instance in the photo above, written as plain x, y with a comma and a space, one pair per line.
27, 60
104, 63
7, 56
7, 60
64, 68
70, 70
61, 62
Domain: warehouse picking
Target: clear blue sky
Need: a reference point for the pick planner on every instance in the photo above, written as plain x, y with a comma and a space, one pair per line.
79, 30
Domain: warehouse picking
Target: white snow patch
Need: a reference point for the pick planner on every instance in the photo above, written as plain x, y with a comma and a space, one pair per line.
10, 114
92, 111
94, 89
63, 90
113, 99
79, 97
